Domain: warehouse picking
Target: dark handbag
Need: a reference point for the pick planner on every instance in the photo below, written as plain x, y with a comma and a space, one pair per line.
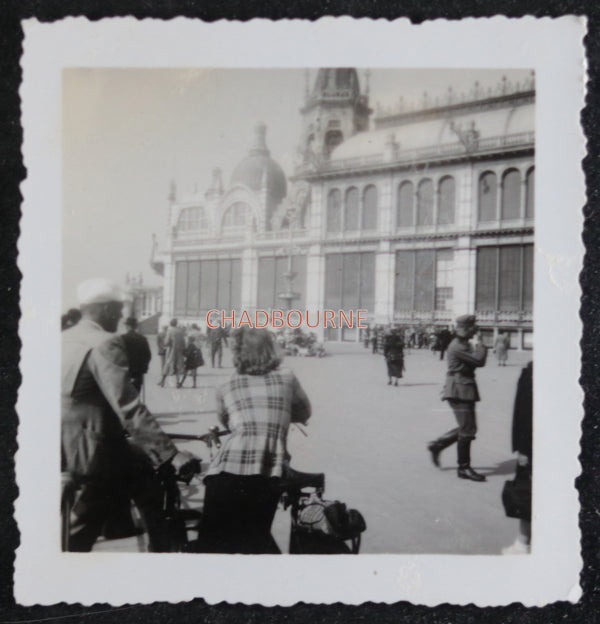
516, 496
331, 518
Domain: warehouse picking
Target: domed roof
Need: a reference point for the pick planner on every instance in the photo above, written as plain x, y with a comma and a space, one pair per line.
258, 168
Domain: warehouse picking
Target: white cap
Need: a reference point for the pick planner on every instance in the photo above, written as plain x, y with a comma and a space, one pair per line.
99, 290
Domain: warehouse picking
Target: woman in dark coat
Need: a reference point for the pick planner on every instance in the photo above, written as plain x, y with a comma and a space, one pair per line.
393, 351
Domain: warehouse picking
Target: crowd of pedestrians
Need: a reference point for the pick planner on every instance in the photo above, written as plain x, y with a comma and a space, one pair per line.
103, 380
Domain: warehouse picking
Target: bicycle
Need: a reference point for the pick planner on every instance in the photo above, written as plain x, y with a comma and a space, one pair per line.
300, 492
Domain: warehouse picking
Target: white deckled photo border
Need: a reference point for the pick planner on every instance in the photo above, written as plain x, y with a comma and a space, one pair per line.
45, 575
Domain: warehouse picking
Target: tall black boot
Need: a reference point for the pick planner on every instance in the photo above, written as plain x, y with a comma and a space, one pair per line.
437, 446
464, 461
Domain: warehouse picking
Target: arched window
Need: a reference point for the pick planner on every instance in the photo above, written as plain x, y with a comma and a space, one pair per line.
405, 202
192, 219
334, 211
425, 202
351, 210
511, 194
488, 192
447, 200
237, 218
369, 212
530, 194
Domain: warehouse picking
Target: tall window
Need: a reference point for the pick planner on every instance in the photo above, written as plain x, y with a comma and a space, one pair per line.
351, 210
369, 212
405, 201
488, 193
447, 199
237, 218
504, 279
423, 279
192, 219
202, 285
334, 211
349, 284
511, 194
425, 202
530, 194
271, 281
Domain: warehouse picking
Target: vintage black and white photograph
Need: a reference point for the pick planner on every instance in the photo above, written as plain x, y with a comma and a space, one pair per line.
297, 314
231, 214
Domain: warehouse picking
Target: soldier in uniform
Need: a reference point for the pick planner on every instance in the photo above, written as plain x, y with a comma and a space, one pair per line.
460, 390
107, 434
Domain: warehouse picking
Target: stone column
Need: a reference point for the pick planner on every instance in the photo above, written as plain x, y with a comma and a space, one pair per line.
318, 210
168, 311
249, 294
465, 257
315, 286
466, 208
385, 213
384, 283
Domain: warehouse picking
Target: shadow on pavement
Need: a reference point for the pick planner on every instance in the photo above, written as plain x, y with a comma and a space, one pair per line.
504, 468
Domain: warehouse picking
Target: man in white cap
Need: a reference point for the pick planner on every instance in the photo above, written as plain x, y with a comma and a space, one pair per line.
104, 424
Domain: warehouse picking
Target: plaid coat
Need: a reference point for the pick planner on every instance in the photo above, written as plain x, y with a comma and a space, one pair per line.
258, 409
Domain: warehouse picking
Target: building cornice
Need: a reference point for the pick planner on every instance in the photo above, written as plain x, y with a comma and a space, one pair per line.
454, 154
508, 100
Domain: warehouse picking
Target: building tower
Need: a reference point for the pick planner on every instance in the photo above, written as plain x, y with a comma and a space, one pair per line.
333, 111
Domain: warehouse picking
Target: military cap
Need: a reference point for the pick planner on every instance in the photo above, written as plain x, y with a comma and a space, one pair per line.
465, 321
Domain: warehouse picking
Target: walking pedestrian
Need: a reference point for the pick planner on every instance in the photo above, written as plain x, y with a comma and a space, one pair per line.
501, 348
460, 390
175, 344
138, 353
161, 338
193, 359
393, 351
216, 336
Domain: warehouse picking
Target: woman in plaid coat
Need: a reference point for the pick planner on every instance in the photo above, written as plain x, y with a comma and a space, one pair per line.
257, 404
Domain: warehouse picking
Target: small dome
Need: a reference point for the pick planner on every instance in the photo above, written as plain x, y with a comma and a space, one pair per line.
258, 169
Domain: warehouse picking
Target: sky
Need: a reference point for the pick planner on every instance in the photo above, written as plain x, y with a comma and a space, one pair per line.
127, 133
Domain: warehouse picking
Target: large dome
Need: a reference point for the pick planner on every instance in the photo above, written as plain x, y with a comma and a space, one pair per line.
259, 168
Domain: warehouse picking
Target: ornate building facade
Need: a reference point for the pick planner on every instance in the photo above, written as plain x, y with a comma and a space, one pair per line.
416, 216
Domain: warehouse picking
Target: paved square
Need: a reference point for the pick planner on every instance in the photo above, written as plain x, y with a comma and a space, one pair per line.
370, 440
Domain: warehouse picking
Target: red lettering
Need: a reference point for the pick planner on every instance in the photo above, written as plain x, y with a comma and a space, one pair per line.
287, 318
344, 318
328, 317
227, 318
277, 315
360, 319
244, 319
208, 318
318, 319
256, 323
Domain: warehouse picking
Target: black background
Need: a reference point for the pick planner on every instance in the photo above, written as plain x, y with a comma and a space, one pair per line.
12, 172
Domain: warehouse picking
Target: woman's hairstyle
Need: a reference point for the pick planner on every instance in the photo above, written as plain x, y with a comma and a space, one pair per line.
254, 351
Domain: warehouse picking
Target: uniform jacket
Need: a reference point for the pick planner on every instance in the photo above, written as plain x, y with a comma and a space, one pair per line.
101, 408
463, 359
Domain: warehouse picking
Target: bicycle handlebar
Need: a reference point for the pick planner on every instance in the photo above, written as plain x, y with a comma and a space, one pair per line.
209, 438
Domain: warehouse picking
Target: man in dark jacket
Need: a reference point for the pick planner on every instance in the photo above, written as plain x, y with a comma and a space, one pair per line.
105, 427
460, 390
138, 353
